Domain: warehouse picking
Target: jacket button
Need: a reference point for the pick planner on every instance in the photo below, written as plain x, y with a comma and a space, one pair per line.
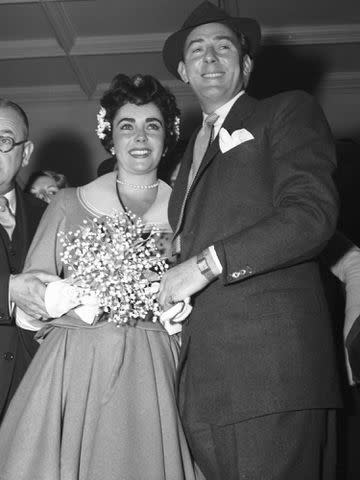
235, 274
9, 356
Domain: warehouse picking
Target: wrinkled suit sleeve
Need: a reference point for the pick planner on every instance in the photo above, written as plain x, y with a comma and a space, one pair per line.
305, 202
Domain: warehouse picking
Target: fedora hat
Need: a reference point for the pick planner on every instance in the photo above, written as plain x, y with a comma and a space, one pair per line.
207, 12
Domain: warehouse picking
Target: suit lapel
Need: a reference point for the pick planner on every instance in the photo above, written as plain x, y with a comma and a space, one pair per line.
179, 194
239, 112
4, 238
21, 232
16, 248
241, 109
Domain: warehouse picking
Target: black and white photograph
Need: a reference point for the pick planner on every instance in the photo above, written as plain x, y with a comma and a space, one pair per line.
179, 240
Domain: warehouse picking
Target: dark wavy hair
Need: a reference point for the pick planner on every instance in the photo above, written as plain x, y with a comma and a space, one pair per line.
140, 90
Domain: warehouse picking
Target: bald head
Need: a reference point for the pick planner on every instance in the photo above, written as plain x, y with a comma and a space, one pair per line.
5, 103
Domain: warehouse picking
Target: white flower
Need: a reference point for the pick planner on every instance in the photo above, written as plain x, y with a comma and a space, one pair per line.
111, 257
102, 124
176, 128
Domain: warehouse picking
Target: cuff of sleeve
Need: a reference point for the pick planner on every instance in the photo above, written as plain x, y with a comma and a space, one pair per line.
213, 260
347, 264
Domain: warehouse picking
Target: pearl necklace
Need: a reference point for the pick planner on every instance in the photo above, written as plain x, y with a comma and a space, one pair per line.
137, 186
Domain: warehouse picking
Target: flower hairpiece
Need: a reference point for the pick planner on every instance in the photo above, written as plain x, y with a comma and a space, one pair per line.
176, 128
138, 80
102, 124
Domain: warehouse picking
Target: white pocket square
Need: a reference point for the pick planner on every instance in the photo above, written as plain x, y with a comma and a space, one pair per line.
227, 141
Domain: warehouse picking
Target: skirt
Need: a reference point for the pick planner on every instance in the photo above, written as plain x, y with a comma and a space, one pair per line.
98, 403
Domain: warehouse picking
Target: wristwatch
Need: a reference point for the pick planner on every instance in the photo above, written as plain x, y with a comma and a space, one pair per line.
204, 267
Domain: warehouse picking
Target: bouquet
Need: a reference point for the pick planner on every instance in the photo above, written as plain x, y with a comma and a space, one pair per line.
116, 258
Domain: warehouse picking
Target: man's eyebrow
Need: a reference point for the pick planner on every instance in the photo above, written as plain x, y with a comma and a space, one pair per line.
7, 131
196, 40
225, 37
217, 37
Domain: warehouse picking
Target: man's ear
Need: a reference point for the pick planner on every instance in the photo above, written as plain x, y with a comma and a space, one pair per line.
182, 72
27, 151
247, 65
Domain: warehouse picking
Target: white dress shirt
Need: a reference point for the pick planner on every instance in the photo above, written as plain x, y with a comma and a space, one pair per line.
222, 111
11, 198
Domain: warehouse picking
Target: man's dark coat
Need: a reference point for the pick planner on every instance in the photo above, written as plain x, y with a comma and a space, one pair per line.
259, 339
17, 346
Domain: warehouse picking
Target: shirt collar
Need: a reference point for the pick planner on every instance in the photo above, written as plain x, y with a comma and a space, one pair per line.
11, 198
223, 112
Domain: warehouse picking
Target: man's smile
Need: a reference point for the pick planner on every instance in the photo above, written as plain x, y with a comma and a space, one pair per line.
213, 75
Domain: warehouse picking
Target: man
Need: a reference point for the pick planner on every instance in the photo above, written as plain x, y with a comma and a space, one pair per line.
258, 383
19, 216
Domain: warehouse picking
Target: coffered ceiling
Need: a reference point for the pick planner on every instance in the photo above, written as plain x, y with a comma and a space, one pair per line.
63, 50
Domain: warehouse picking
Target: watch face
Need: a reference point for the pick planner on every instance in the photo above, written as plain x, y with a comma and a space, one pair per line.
204, 267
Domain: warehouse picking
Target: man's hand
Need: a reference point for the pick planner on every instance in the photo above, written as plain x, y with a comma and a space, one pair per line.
27, 291
180, 282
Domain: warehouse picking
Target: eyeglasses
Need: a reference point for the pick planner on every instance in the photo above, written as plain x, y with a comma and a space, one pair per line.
8, 143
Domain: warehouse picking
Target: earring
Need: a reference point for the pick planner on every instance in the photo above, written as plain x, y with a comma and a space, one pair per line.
112, 151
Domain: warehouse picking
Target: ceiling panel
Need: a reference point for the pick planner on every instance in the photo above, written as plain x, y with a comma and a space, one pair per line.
115, 17
299, 12
22, 21
138, 16
84, 43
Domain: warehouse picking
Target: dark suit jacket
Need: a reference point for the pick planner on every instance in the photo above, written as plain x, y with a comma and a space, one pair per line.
16, 345
259, 338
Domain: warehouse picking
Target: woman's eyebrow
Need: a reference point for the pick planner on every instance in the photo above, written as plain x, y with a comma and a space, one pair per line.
125, 119
153, 119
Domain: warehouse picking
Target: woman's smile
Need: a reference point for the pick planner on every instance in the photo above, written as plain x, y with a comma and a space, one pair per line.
140, 152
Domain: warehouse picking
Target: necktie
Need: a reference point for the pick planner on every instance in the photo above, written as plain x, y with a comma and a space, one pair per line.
7, 219
202, 143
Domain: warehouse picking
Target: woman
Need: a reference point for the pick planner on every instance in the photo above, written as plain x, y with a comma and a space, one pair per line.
44, 184
98, 401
